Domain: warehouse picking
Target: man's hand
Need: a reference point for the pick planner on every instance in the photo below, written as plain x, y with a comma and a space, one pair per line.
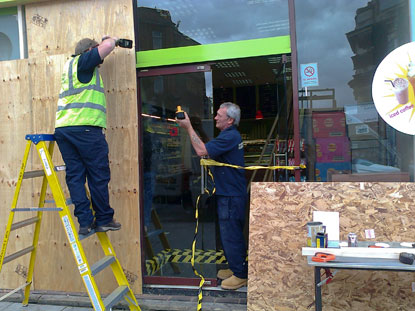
184, 123
197, 143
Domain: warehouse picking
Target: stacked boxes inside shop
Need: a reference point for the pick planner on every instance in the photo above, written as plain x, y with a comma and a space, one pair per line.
346, 141
332, 146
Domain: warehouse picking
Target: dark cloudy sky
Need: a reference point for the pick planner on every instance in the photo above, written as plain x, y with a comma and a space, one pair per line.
321, 38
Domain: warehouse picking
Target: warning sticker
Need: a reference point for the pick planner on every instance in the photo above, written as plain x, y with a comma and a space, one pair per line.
68, 229
83, 268
77, 253
45, 161
91, 292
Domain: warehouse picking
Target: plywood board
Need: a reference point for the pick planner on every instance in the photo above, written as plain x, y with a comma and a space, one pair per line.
29, 92
279, 277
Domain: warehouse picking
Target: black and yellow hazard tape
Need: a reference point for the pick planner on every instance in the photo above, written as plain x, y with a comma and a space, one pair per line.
200, 256
202, 279
183, 256
210, 162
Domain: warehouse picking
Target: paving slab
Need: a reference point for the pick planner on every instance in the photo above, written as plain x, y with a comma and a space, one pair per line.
76, 309
4, 305
33, 307
147, 302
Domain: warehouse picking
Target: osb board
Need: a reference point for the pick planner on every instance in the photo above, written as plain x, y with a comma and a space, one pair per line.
279, 277
53, 27
29, 92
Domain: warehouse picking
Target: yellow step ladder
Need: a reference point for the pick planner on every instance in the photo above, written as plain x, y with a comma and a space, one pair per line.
86, 271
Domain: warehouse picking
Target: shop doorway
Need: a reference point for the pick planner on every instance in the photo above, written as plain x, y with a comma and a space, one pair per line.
172, 175
171, 179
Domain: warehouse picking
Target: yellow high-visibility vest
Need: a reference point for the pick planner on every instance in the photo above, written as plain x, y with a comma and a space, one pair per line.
80, 103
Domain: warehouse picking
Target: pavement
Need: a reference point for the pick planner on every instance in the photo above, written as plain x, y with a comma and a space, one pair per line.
212, 301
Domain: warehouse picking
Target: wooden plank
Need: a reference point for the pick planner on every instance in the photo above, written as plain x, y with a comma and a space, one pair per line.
30, 90
15, 123
389, 177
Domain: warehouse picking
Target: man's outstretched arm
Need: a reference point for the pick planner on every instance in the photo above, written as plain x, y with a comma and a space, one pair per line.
197, 143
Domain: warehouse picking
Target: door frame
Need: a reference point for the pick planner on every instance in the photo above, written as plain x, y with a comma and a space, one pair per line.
153, 72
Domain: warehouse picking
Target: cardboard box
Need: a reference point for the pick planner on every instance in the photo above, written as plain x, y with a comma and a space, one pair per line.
333, 149
363, 131
322, 169
329, 124
372, 150
362, 113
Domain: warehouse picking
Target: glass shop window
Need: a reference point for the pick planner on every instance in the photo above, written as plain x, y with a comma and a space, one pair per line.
189, 22
12, 46
342, 44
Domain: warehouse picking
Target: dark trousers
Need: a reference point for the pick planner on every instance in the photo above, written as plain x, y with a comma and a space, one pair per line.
85, 153
231, 214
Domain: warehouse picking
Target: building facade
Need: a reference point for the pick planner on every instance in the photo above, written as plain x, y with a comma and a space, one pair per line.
259, 54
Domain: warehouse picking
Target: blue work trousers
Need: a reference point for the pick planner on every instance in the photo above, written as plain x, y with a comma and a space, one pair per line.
231, 214
85, 153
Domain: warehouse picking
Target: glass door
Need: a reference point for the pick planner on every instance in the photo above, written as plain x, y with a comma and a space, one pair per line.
172, 175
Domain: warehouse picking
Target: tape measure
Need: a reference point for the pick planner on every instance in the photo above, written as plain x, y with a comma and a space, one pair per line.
323, 257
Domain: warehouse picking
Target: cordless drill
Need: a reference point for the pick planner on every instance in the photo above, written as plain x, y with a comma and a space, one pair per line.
180, 113
124, 43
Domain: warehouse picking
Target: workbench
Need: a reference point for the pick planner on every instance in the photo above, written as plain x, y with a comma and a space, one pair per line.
357, 258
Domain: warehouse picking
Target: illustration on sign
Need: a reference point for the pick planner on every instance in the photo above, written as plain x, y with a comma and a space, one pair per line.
309, 75
393, 88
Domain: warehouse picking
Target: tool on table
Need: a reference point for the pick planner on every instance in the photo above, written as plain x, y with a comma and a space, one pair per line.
406, 258
313, 227
322, 238
352, 239
180, 113
323, 257
124, 43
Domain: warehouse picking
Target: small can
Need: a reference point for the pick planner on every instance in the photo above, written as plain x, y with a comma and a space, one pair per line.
321, 240
352, 239
313, 227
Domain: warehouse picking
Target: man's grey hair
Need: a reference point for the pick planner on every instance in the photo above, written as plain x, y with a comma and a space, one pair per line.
233, 111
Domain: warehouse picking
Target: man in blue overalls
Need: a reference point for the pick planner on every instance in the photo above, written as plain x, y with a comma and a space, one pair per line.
230, 186
79, 132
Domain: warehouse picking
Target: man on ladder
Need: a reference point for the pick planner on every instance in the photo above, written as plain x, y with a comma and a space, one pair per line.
80, 125
80, 120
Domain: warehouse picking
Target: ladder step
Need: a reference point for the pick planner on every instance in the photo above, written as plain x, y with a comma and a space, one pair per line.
18, 254
115, 296
102, 264
15, 290
68, 201
39, 173
82, 237
24, 223
37, 209
154, 232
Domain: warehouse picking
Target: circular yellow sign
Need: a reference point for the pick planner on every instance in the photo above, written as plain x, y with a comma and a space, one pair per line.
393, 88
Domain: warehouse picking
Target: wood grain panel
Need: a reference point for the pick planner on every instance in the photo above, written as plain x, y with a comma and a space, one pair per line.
29, 92
279, 277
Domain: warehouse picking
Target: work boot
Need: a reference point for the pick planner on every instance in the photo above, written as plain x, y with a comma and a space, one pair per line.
85, 230
112, 225
224, 274
233, 283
